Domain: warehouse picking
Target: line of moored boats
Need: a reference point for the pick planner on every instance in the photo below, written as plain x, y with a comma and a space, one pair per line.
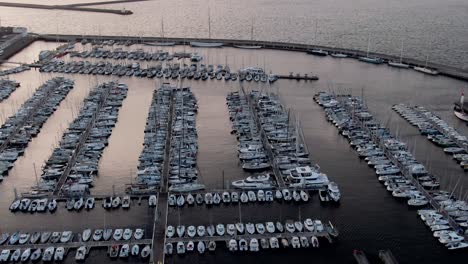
401, 173
437, 131
257, 235
6, 88
20, 128
250, 196
154, 146
59, 252
14, 70
81, 147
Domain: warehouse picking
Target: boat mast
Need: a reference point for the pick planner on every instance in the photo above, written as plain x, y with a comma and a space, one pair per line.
209, 24
162, 27
427, 59
252, 29
368, 45
401, 52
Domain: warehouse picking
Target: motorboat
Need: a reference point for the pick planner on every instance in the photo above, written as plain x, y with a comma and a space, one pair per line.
244, 198
146, 251
284, 242
456, 245
117, 234
107, 234
45, 236
139, 233
23, 238
274, 242
15, 256
201, 247
180, 230
290, 226
270, 227
333, 192
113, 251
126, 202
304, 196
232, 245
180, 200
199, 198
210, 229
279, 227
124, 250
314, 241
243, 245
14, 238
212, 245
135, 250
4, 238
127, 234
299, 226
295, 242
66, 236
152, 201
208, 198
81, 253
220, 230
170, 231
254, 245
190, 199
190, 246
36, 254
35, 237
318, 226
252, 196
304, 242
254, 182
240, 227
235, 197
180, 248
260, 227
59, 254
55, 237
191, 231
309, 225
250, 227
216, 198
231, 229
26, 254
116, 202
86, 235
98, 233
48, 254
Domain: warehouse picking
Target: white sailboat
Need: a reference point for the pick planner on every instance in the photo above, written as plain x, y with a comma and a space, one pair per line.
251, 39
202, 44
161, 43
425, 69
368, 59
459, 110
399, 64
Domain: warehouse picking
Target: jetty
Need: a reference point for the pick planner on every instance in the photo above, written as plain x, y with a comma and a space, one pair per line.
77, 244
68, 7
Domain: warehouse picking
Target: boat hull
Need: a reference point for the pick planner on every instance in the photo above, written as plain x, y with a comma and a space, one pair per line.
461, 116
206, 44
247, 47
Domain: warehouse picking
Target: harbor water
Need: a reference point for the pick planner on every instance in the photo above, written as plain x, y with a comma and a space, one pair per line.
368, 217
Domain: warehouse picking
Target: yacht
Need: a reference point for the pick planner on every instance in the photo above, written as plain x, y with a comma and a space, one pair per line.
254, 182
318, 52
118, 233
305, 177
426, 70
456, 245
314, 241
191, 231
201, 231
127, 234
190, 246
36, 254
186, 187
274, 242
35, 237
250, 227
152, 200
270, 227
98, 233
138, 233
48, 254
220, 230
333, 191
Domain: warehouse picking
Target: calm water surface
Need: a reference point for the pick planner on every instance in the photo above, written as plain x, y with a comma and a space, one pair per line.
368, 217
438, 29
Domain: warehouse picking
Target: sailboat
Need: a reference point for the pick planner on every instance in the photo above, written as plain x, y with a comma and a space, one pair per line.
251, 39
459, 108
425, 69
316, 51
368, 59
399, 64
207, 44
161, 43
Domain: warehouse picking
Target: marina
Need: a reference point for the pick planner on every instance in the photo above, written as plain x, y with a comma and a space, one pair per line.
137, 140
